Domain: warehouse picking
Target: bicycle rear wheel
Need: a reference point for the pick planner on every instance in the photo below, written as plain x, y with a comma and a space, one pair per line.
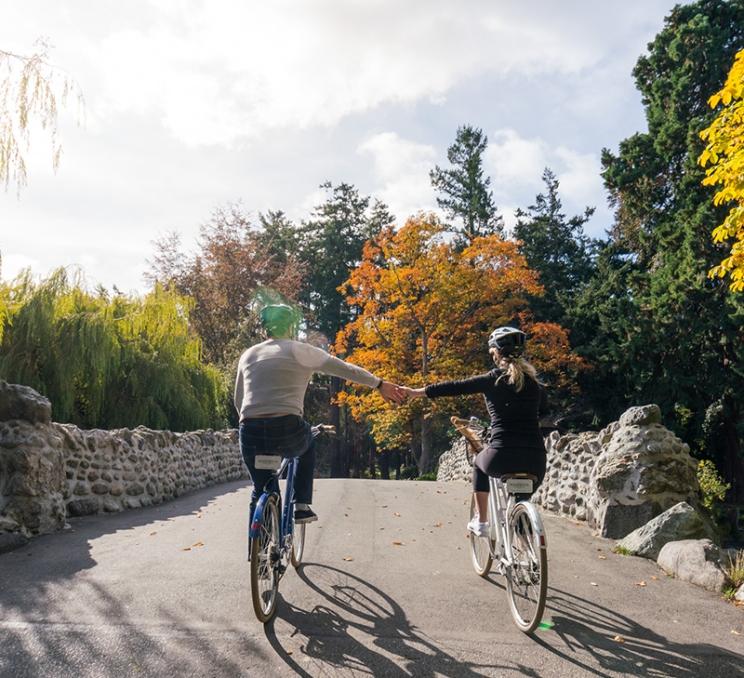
527, 576
298, 544
480, 547
264, 551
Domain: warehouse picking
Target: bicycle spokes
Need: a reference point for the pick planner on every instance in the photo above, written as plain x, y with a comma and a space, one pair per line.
528, 570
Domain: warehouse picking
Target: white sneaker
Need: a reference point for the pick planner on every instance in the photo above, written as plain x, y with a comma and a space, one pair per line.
477, 528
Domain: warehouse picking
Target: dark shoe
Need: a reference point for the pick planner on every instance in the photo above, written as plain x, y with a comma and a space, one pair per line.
305, 516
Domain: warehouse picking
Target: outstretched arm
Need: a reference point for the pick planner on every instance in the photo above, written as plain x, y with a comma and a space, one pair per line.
340, 368
453, 388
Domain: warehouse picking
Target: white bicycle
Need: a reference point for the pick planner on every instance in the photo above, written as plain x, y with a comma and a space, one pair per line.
516, 537
516, 542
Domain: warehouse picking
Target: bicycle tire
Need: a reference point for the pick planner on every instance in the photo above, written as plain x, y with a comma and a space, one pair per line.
480, 548
264, 551
527, 575
298, 544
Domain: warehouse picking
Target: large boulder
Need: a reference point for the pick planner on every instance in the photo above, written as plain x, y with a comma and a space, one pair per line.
22, 402
694, 560
677, 523
642, 470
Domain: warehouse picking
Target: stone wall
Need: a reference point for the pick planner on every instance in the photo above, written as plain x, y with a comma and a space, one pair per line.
616, 480
51, 471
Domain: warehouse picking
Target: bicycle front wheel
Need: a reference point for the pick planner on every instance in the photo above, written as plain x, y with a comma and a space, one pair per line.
298, 544
527, 575
264, 551
480, 547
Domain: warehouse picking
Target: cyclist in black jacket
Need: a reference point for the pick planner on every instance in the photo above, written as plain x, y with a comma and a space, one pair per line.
515, 400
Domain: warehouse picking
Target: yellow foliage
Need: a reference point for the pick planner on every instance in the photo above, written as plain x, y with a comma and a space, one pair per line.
724, 158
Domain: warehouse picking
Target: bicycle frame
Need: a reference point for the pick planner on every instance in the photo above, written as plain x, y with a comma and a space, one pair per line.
286, 525
501, 504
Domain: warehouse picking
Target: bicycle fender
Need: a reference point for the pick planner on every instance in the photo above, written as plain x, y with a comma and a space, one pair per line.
255, 527
537, 522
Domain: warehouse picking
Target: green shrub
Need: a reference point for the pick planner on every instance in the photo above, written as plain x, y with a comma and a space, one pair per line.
108, 361
712, 487
409, 473
621, 550
431, 475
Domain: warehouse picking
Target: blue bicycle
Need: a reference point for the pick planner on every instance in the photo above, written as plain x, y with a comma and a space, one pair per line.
274, 542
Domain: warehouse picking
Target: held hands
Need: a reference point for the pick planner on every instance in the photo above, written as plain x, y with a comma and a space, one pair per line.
392, 392
399, 394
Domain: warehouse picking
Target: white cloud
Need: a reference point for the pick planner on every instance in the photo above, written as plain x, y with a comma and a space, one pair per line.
516, 163
401, 171
513, 159
215, 72
580, 177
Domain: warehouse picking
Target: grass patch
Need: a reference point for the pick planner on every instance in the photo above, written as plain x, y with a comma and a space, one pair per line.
734, 569
621, 550
729, 592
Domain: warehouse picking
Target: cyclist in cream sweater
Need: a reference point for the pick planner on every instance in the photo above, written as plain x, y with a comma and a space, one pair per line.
269, 393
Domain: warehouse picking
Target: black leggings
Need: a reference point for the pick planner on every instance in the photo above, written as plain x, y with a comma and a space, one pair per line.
496, 461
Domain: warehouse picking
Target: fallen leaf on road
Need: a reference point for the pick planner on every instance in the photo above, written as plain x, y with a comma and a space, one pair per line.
437, 524
346, 515
348, 559
151, 533
289, 651
396, 514
188, 548
397, 542
619, 639
384, 506
601, 557
735, 632
197, 545
640, 583
382, 528
654, 577
594, 583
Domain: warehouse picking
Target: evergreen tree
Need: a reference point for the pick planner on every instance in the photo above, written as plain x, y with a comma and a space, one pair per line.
679, 342
557, 248
331, 246
463, 192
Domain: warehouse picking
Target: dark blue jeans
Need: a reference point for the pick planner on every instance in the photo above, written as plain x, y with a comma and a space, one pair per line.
288, 436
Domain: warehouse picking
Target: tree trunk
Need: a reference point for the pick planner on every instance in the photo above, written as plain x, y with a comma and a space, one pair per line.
385, 465
733, 456
371, 456
425, 457
424, 460
396, 464
336, 446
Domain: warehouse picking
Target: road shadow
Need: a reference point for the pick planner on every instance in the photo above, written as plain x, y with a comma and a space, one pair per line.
30, 573
122, 645
620, 644
361, 629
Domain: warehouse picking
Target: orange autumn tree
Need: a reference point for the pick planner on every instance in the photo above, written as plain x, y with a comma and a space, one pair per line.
424, 310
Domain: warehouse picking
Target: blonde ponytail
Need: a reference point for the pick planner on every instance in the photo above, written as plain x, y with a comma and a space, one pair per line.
515, 369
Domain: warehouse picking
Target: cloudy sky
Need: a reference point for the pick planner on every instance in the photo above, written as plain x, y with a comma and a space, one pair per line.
191, 104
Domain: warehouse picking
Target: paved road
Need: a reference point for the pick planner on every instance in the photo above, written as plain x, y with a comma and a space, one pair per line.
165, 592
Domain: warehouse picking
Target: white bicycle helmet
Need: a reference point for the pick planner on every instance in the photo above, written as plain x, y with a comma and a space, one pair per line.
508, 340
